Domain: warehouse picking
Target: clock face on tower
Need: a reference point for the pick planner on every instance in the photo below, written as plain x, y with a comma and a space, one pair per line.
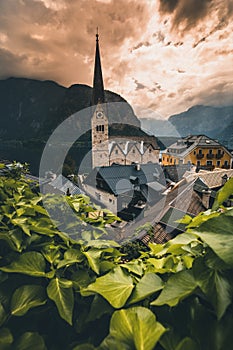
99, 115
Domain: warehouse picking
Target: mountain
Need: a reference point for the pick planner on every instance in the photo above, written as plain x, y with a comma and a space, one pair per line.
215, 122
31, 109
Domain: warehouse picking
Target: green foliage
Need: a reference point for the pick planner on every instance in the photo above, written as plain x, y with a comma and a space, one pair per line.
58, 292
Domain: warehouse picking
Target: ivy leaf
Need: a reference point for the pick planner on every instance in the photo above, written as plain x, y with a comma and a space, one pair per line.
134, 328
93, 257
61, 292
30, 340
149, 284
223, 194
133, 266
3, 315
27, 297
217, 233
214, 285
6, 339
84, 347
29, 263
115, 286
178, 287
71, 256
187, 343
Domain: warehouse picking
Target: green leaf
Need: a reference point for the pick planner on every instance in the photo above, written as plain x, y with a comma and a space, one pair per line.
61, 292
134, 328
30, 263
185, 220
149, 284
93, 257
116, 286
71, 256
214, 285
27, 297
223, 194
84, 347
187, 343
29, 341
99, 307
2, 315
6, 339
178, 287
133, 266
218, 234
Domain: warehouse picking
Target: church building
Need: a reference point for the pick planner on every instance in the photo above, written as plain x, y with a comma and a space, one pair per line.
108, 150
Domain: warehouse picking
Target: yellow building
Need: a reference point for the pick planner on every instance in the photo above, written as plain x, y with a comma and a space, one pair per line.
199, 150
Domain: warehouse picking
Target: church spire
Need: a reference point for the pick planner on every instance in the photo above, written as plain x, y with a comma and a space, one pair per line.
98, 85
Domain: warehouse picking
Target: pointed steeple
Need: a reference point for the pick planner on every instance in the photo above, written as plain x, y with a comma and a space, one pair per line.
98, 85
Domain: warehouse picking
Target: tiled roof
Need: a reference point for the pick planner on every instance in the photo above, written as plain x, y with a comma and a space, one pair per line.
212, 179
181, 201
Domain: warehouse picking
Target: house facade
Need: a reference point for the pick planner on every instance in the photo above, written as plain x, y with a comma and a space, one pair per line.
198, 150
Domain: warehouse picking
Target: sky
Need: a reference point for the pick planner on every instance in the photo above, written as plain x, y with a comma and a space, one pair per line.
163, 56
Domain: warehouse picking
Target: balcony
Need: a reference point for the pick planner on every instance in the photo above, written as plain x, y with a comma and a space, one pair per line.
219, 155
200, 156
210, 156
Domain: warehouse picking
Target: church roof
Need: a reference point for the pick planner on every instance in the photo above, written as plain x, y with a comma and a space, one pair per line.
98, 85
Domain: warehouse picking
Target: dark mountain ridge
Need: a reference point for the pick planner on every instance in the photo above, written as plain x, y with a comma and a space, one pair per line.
215, 122
32, 109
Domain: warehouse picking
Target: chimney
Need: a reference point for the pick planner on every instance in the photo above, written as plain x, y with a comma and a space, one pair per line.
137, 167
224, 179
206, 198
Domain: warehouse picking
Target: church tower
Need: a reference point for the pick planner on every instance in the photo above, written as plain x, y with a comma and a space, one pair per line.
99, 121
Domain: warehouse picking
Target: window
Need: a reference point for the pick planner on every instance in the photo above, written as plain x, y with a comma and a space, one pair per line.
150, 150
133, 150
209, 162
194, 152
210, 151
171, 160
226, 163
116, 151
198, 163
218, 163
100, 128
200, 151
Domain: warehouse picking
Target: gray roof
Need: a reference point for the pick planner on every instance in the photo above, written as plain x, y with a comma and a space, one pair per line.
186, 144
120, 178
62, 184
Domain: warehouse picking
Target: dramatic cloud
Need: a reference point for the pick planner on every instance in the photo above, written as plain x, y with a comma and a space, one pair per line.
162, 54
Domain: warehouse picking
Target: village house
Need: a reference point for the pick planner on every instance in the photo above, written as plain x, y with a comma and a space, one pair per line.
126, 190
194, 193
198, 150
